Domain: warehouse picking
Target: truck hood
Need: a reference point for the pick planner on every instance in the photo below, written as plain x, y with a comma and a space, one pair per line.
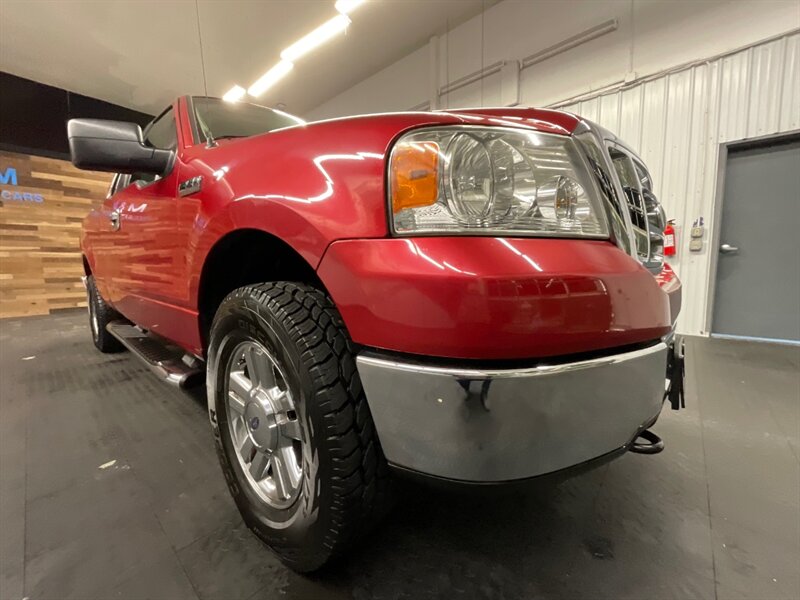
541, 119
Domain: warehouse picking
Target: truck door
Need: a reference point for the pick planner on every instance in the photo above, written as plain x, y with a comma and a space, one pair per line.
145, 259
104, 236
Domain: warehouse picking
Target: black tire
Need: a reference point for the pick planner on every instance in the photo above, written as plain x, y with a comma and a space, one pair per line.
345, 477
100, 315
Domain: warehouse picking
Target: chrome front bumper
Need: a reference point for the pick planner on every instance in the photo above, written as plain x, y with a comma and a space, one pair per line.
477, 425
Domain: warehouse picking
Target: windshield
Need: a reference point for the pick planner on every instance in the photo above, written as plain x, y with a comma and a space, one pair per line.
218, 119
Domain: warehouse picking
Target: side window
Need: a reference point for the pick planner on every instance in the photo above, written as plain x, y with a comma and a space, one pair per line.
162, 133
142, 178
119, 182
112, 187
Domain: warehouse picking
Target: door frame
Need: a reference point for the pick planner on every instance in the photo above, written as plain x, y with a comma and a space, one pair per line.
715, 232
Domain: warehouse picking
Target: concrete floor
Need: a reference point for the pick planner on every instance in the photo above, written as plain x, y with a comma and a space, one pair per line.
717, 515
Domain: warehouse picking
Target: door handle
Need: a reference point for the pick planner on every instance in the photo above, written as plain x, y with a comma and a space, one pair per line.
114, 217
728, 249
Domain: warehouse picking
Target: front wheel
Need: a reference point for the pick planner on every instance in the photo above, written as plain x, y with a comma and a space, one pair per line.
294, 433
100, 315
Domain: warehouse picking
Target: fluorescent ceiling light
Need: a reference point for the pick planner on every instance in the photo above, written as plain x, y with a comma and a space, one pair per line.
234, 94
347, 6
269, 78
317, 37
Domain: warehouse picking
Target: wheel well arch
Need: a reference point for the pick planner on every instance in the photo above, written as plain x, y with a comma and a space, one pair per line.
87, 269
267, 258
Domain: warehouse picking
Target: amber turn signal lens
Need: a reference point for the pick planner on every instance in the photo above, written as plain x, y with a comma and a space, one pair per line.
414, 176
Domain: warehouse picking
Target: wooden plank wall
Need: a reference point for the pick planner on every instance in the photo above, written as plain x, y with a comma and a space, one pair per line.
40, 260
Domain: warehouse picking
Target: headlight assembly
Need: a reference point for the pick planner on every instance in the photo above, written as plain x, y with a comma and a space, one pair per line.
492, 181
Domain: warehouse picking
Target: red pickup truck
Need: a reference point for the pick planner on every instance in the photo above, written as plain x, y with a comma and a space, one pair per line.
475, 295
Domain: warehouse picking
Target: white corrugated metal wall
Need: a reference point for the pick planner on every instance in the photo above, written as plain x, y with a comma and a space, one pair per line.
677, 123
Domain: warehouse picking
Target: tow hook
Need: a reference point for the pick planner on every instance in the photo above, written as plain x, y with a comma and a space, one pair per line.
675, 375
653, 445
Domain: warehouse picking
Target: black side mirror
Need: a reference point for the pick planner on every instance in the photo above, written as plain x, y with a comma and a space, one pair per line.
116, 146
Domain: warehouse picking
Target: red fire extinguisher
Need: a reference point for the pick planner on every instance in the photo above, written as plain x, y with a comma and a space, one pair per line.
669, 238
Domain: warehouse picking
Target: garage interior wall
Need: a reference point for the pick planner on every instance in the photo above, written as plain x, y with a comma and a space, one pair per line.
43, 198
674, 79
678, 123
40, 223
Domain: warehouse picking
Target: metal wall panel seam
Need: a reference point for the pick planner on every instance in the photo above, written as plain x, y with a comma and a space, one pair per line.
623, 86
679, 126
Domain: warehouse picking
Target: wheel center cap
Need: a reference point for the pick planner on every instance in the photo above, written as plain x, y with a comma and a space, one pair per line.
261, 424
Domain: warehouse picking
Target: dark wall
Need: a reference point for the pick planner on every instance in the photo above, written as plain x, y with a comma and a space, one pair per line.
33, 116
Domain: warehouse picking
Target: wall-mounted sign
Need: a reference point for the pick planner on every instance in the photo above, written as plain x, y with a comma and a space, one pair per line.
41, 265
8, 176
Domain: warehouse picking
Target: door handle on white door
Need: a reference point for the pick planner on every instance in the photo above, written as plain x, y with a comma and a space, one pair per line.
115, 220
728, 249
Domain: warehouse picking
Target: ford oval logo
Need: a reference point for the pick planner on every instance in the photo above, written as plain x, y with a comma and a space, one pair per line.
254, 422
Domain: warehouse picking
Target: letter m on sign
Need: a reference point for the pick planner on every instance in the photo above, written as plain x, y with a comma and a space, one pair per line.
9, 177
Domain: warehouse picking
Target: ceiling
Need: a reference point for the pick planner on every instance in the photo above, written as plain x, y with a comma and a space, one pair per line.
143, 53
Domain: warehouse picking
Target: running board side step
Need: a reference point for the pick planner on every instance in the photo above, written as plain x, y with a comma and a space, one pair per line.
168, 362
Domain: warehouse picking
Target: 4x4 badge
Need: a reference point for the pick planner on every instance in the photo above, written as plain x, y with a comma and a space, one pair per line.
190, 186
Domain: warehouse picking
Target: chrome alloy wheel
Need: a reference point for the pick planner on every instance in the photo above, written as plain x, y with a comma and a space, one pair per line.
263, 424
